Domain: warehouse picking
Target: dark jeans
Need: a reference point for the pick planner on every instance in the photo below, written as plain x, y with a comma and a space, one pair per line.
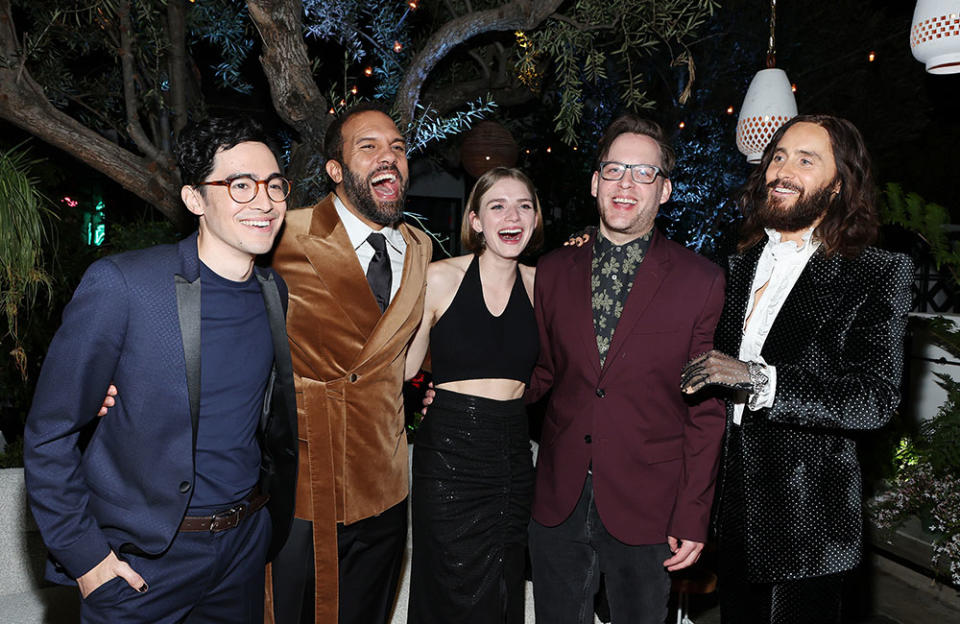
569, 558
202, 577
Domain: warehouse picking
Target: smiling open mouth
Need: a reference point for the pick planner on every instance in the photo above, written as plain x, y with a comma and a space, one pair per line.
386, 184
624, 202
259, 224
510, 235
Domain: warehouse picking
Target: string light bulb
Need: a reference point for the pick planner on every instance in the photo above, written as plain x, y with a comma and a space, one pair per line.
793, 87
413, 4
397, 46
682, 125
729, 110
549, 150
353, 89
368, 71
872, 56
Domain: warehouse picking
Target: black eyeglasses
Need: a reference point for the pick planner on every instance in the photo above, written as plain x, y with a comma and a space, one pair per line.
243, 189
641, 174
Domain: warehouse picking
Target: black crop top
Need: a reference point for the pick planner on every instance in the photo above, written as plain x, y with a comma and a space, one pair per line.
468, 342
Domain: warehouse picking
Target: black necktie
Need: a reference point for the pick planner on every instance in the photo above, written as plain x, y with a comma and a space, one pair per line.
379, 273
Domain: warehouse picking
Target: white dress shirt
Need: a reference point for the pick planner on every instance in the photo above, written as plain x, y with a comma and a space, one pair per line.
779, 267
358, 231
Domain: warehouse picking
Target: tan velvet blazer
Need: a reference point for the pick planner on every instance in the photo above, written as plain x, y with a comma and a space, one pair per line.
348, 371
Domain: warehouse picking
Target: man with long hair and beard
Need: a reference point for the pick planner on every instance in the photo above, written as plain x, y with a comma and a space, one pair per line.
357, 276
809, 353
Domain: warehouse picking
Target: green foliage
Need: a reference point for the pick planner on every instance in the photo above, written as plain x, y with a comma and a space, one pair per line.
22, 235
601, 37
429, 126
913, 213
938, 441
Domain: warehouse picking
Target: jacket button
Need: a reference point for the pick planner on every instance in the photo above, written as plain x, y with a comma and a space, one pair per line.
353, 378
601, 392
587, 439
184, 487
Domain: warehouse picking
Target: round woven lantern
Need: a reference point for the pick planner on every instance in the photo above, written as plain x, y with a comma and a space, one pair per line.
935, 35
769, 104
488, 145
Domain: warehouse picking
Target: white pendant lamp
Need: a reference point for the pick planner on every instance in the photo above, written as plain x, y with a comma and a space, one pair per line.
935, 35
769, 103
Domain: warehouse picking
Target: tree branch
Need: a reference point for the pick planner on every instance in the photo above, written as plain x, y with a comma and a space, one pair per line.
516, 15
23, 103
129, 87
177, 62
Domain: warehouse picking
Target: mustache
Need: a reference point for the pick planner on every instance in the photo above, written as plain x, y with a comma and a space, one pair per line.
391, 168
784, 184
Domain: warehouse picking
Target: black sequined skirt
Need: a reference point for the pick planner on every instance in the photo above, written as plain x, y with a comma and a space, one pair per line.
472, 489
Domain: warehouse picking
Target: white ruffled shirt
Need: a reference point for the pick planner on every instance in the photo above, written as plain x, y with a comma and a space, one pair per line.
780, 265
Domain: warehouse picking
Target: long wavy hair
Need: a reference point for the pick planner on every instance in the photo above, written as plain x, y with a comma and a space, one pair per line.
851, 222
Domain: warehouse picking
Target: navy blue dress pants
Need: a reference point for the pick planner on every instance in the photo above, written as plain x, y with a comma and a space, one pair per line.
202, 578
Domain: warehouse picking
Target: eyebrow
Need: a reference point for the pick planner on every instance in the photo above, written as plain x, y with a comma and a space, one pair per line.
802, 152
503, 199
374, 138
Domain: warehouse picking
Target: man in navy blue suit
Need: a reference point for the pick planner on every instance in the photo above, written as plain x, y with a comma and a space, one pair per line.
186, 489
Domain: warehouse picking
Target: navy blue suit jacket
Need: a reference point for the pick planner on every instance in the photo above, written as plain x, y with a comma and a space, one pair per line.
134, 321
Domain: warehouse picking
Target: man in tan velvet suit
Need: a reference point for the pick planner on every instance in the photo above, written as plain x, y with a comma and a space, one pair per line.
356, 276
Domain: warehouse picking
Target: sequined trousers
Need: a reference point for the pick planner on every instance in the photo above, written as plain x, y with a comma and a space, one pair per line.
804, 601
472, 489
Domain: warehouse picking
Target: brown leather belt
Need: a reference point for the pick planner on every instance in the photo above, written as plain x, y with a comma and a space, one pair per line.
229, 519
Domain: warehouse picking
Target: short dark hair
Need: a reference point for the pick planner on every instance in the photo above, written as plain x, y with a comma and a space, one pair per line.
333, 139
469, 238
852, 221
200, 141
634, 124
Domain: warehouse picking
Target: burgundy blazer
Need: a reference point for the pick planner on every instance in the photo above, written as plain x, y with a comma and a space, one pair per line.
654, 451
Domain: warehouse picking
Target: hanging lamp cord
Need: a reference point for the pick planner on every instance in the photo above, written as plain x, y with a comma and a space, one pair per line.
772, 48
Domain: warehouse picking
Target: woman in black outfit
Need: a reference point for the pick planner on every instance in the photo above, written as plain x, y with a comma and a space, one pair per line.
472, 466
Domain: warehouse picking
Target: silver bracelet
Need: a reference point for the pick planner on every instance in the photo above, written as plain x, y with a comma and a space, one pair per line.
759, 380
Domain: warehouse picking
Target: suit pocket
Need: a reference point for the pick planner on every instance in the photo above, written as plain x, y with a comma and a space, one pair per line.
662, 450
109, 593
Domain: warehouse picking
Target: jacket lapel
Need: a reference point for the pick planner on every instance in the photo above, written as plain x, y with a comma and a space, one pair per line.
650, 276
404, 302
581, 303
188, 311
810, 303
742, 269
330, 253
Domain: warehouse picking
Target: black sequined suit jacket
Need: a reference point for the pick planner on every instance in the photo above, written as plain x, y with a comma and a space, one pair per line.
837, 344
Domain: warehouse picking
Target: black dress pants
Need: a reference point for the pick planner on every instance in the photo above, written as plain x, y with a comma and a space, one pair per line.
370, 560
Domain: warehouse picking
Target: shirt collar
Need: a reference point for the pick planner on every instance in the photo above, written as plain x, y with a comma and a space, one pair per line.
603, 245
358, 231
790, 250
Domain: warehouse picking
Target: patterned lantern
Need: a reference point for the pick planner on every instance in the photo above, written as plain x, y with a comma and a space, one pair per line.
768, 105
935, 35
488, 145
769, 102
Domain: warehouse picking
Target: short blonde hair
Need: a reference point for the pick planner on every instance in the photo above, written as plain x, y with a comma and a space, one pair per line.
473, 240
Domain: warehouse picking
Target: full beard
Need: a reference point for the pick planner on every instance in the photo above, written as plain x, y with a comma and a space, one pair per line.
773, 214
380, 212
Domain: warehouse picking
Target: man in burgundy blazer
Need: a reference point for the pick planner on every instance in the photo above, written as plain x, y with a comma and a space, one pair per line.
626, 466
